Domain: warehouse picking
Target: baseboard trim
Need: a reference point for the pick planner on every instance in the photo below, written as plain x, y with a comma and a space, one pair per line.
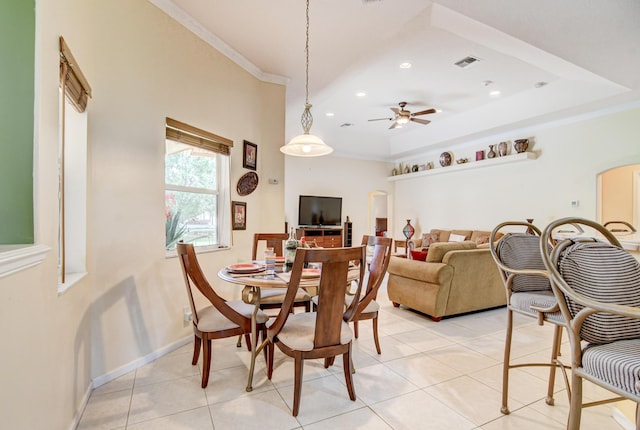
107, 377
83, 405
622, 419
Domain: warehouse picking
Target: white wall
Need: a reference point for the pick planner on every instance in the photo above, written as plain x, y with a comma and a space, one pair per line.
569, 158
331, 176
142, 67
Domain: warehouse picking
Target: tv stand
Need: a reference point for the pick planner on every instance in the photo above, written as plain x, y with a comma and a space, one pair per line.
325, 237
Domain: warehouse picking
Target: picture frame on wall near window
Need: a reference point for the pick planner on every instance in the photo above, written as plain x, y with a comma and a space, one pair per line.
249, 155
239, 215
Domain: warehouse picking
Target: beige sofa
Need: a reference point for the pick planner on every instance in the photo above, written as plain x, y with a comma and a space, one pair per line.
457, 277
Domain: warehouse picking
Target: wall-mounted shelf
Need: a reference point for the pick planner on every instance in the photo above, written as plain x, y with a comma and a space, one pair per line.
514, 158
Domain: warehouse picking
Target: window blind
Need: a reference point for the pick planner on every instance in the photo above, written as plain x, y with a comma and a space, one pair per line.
187, 134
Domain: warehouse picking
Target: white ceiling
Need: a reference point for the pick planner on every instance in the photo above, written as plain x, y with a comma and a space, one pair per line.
587, 51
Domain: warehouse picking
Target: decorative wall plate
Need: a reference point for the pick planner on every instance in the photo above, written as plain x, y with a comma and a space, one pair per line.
247, 183
445, 159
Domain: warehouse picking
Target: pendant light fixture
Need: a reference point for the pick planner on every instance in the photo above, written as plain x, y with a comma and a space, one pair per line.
306, 144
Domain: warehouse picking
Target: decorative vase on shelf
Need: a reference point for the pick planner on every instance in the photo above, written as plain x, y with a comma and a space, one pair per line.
521, 145
408, 230
529, 229
502, 149
491, 153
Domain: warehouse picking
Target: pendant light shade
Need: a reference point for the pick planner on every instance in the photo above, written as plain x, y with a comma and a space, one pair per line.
306, 144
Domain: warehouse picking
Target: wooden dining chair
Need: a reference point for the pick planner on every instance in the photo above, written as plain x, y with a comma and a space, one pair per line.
324, 333
218, 320
272, 298
367, 306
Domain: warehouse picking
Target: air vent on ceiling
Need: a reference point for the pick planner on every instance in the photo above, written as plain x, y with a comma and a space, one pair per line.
370, 1
346, 124
466, 62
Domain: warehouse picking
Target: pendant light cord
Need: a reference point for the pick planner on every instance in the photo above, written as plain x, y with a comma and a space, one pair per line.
306, 50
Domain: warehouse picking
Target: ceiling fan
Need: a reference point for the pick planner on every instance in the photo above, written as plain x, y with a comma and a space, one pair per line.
403, 116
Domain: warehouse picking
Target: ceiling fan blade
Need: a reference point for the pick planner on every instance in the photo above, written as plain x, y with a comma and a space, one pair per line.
424, 112
420, 121
381, 119
395, 110
395, 125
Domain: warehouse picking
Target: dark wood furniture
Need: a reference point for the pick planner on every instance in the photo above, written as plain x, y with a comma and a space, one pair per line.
219, 320
272, 298
347, 232
367, 306
324, 333
325, 237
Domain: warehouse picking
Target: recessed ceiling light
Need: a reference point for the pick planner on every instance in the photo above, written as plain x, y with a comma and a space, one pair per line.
405, 65
494, 93
329, 114
361, 94
539, 84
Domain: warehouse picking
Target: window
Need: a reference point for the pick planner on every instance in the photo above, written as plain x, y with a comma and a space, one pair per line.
72, 170
197, 202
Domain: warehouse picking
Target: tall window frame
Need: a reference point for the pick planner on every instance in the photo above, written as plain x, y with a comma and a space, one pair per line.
75, 92
197, 195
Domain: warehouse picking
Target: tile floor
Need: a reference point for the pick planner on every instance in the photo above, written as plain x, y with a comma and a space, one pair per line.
439, 376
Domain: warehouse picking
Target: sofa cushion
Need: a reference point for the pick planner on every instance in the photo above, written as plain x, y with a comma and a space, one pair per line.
466, 233
480, 236
428, 239
439, 249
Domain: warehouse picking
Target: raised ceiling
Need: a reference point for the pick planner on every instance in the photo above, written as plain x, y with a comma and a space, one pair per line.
585, 52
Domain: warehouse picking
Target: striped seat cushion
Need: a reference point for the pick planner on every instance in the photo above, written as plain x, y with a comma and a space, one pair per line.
542, 299
608, 274
522, 251
617, 363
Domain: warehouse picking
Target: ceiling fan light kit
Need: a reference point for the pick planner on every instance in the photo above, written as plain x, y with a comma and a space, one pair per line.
404, 116
306, 144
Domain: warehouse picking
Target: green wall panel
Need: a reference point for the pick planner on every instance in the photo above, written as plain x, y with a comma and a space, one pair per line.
17, 48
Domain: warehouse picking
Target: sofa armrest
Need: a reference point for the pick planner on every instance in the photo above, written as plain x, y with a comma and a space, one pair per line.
434, 273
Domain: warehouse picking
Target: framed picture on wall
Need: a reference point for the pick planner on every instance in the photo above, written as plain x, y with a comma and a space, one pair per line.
249, 155
239, 215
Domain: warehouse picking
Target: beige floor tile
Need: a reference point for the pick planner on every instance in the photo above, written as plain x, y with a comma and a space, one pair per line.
360, 419
420, 410
320, 399
391, 349
194, 419
422, 340
423, 370
258, 411
284, 372
106, 411
165, 398
124, 382
523, 419
523, 387
472, 399
230, 384
374, 384
166, 368
462, 358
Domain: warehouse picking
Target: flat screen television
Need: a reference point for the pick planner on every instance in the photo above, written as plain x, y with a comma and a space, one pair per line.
319, 211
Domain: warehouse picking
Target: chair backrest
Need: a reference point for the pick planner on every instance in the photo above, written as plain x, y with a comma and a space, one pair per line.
192, 273
614, 226
377, 268
331, 290
273, 240
517, 256
593, 276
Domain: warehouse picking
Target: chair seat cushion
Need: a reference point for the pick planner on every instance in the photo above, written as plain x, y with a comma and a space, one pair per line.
276, 295
616, 363
210, 319
373, 306
542, 299
299, 331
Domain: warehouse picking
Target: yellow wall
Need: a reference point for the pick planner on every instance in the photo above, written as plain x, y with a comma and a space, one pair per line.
617, 194
142, 67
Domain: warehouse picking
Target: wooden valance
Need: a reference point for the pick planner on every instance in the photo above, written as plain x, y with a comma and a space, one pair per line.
189, 135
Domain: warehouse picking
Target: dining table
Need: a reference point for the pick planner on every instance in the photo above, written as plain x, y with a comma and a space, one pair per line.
252, 277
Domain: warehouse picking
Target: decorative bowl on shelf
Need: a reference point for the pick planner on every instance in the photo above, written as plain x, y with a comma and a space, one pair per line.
462, 160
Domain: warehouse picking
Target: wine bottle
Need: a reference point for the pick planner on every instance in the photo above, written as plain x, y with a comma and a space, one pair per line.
290, 247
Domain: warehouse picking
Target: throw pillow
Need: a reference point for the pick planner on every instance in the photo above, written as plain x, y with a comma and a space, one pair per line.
429, 238
456, 237
419, 255
482, 238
